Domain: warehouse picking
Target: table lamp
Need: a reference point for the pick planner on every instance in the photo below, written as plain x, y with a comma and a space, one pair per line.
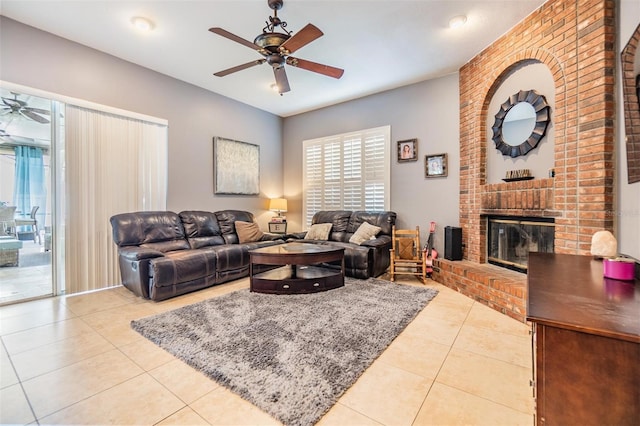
278, 205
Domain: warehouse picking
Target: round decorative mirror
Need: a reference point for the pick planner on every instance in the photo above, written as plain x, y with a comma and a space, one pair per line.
521, 123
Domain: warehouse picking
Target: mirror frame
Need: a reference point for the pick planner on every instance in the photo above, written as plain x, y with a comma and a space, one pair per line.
543, 119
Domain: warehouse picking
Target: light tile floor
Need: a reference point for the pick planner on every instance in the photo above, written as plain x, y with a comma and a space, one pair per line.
26, 282
75, 360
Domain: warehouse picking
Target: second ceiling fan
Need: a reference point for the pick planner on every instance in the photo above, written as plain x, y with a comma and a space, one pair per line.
276, 48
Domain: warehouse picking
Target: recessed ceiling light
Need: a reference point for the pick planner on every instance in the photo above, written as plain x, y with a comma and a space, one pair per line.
141, 23
274, 87
457, 21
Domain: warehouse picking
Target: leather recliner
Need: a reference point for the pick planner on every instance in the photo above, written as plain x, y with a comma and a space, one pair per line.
369, 259
162, 254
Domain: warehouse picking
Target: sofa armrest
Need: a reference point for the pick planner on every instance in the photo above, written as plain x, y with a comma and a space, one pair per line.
139, 253
272, 237
381, 241
134, 268
297, 235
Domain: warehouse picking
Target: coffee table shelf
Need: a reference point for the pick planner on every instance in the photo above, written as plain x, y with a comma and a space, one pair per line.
301, 269
308, 279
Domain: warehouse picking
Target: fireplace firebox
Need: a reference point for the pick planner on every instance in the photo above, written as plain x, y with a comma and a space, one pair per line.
510, 239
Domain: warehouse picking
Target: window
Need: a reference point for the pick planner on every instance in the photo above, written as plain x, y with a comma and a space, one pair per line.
346, 172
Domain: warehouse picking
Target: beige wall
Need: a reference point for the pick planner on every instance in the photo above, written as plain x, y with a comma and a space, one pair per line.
33, 58
427, 111
540, 159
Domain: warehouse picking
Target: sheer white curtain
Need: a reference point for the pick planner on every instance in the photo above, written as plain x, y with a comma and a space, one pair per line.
113, 164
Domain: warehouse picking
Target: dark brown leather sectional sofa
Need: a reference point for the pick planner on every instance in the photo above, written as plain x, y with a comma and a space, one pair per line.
163, 254
369, 259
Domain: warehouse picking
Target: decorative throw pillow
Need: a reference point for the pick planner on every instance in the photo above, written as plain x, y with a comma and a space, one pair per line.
365, 232
248, 232
319, 231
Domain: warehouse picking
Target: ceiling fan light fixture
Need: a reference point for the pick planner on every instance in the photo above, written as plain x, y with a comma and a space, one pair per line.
142, 23
457, 21
275, 47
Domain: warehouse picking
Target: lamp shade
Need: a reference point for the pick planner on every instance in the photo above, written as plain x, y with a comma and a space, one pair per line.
278, 204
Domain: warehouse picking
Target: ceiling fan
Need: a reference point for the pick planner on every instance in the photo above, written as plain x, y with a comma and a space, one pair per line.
17, 106
276, 48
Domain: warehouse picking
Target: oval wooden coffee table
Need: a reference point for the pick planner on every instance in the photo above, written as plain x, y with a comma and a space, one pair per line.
302, 268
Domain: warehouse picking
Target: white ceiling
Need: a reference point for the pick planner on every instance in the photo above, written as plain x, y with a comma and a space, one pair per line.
381, 44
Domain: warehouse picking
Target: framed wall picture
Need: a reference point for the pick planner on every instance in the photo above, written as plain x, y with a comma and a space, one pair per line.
435, 165
236, 167
407, 150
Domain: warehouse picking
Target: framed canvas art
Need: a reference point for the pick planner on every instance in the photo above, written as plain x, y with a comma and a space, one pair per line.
236, 167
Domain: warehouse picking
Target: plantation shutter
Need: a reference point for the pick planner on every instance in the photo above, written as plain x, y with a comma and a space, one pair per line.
347, 172
376, 172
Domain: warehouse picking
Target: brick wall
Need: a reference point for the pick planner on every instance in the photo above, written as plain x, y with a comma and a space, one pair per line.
575, 39
496, 287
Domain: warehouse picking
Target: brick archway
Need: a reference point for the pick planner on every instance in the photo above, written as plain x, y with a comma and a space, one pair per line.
576, 41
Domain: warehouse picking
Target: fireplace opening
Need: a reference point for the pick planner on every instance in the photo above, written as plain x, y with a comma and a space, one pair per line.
510, 239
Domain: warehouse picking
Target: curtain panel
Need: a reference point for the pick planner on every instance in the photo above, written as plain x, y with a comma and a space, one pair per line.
29, 189
113, 164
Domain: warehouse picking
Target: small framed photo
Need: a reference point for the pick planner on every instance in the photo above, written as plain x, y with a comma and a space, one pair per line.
435, 165
408, 150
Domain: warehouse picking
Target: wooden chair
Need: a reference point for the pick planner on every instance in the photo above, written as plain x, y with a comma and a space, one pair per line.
406, 254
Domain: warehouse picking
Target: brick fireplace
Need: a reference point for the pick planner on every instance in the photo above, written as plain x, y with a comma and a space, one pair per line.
575, 39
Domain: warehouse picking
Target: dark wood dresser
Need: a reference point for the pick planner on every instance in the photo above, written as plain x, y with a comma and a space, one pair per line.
586, 337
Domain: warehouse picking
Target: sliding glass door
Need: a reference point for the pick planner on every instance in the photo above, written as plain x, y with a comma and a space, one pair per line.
67, 166
27, 195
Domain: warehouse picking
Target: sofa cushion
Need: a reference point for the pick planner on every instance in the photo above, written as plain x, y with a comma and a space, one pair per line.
248, 232
230, 257
227, 221
181, 266
201, 228
365, 232
319, 231
385, 220
339, 220
159, 230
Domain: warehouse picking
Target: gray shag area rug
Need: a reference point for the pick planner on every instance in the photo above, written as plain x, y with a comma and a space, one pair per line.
291, 355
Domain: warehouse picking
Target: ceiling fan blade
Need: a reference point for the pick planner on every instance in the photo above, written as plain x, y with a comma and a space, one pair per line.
315, 67
239, 67
303, 37
233, 37
34, 116
281, 80
38, 110
13, 103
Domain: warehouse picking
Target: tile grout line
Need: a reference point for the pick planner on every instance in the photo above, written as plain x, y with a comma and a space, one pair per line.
443, 362
24, 391
496, 359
